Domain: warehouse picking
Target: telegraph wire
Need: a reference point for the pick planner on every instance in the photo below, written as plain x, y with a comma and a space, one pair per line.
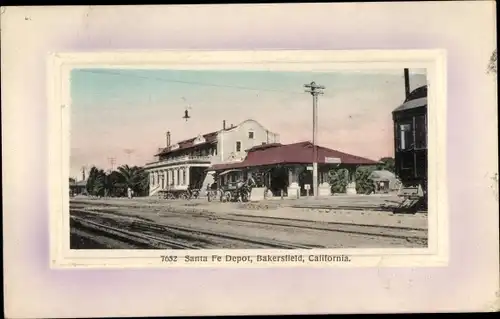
187, 82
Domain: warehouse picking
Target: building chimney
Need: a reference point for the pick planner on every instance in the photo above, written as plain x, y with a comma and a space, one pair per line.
83, 174
168, 139
224, 124
407, 84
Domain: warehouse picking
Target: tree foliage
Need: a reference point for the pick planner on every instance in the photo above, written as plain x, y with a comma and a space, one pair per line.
364, 183
134, 177
339, 178
492, 65
115, 183
387, 163
96, 183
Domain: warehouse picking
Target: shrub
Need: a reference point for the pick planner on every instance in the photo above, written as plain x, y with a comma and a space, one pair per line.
364, 184
339, 178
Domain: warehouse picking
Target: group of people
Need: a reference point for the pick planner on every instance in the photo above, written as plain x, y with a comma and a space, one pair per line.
243, 187
130, 192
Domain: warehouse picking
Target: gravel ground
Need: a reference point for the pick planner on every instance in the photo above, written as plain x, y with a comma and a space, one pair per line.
203, 215
327, 209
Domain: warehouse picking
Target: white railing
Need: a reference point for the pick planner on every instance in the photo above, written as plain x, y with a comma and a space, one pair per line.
175, 187
179, 159
153, 190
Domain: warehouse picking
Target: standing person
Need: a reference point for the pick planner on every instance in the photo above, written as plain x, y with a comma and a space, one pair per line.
251, 181
129, 192
250, 184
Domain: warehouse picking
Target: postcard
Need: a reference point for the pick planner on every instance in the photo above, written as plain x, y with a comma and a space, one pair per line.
248, 159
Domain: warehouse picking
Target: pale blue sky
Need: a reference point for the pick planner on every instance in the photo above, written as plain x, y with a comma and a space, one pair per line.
113, 110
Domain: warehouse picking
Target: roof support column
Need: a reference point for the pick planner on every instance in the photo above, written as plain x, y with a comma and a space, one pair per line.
186, 182
162, 179
293, 185
324, 186
351, 186
176, 176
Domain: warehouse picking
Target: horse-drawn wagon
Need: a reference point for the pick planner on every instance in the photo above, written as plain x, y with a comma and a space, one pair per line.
229, 186
171, 192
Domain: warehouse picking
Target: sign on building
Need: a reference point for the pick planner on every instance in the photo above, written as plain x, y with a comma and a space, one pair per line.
307, 186
309, 168
332, 160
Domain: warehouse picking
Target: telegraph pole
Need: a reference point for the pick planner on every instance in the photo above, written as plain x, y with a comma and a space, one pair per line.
112, 162
315, 90
83, 173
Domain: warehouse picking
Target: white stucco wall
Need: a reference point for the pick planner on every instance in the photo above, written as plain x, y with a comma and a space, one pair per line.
226, 140
226, 147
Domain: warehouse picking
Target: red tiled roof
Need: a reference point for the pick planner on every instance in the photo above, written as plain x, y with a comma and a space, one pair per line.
297, 153
189, 143
263, 146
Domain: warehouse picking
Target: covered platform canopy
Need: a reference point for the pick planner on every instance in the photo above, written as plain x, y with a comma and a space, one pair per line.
286, 168
229, 171
297, 153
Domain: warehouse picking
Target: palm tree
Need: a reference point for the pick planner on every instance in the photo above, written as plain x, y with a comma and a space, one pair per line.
134, 177
115, 184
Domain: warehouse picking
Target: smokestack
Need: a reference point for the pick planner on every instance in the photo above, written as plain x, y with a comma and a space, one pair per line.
83, 174
168, 138
407, 83
224, 124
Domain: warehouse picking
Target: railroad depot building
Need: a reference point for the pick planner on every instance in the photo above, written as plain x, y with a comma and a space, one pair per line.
286, 170
249, 149
183, 164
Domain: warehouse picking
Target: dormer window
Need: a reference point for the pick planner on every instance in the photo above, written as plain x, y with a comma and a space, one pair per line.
250, 135
200, 139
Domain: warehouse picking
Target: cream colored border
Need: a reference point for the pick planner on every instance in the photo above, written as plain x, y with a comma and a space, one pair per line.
61, 64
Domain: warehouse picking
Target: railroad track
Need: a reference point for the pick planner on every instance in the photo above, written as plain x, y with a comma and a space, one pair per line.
389, 231
366, 230
392, 209
330, 223
399, 232
148, 225
260, 241
386, 231
330, 207
144, 239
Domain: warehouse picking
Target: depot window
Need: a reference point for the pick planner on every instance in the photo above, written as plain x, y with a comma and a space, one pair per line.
250, 135
238, 146
420, 131
405, 136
